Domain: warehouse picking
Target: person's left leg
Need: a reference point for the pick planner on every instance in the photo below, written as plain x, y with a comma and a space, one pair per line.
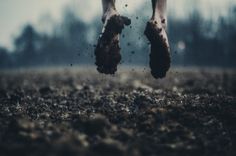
108, 49
159, 12
156, 34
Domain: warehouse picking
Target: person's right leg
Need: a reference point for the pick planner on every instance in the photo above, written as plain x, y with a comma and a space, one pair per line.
156, 34
159, 11
108, 49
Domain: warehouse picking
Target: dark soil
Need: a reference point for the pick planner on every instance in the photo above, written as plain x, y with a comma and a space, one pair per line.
67, 112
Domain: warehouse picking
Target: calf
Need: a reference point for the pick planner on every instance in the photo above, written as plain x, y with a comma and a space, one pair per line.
108, 47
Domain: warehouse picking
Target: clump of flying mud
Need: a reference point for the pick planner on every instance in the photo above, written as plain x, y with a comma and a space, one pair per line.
107, 51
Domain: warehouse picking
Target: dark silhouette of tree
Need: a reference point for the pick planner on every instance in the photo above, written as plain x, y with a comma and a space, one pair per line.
25, 45
194, 39
227, 36
75, 34
5, 60
204, 42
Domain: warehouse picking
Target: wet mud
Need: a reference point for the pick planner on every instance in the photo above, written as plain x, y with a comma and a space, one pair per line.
160, 52
107, 51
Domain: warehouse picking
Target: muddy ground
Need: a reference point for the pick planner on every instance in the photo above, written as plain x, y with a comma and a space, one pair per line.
80, 112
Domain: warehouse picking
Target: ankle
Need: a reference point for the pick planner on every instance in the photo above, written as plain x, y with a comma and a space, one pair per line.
159, 21
164, 23
160, 18
108, 14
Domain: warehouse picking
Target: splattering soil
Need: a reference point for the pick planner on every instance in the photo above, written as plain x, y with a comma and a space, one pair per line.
107, 51
79, 112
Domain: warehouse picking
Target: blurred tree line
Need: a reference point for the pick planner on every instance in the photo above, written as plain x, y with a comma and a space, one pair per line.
194, 41
201, 42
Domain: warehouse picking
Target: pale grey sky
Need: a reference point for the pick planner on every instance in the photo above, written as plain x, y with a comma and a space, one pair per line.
15, 13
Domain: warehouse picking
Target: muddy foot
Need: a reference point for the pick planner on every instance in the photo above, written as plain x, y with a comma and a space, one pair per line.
107, 51
160, 52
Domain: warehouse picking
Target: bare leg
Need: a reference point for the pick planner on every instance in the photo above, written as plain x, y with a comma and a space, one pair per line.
109, 9
156, 34
159, 11
108, 48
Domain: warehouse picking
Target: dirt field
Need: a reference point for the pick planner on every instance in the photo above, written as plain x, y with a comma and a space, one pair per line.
80, 112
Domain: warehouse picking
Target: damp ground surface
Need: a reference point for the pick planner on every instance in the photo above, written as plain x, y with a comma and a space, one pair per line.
80, 112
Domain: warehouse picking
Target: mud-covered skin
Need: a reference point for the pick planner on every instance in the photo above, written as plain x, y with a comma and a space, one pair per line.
82, 113
107, 51
160, 52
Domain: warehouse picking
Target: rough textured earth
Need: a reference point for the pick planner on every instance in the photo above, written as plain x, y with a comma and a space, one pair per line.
79, 112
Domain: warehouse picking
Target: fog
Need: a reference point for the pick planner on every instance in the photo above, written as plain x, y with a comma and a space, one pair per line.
14, 13
65, 32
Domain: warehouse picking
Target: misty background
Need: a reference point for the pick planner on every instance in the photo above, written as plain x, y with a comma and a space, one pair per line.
65, 32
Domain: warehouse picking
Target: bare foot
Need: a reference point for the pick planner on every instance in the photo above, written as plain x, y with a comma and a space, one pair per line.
108, 47
160, 51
